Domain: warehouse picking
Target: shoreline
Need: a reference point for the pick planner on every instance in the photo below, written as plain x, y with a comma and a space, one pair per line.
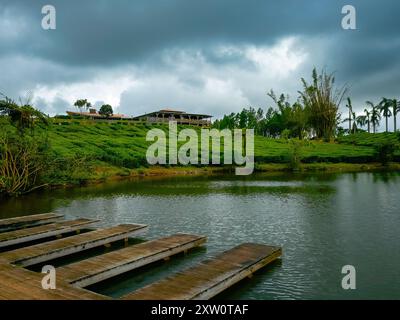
157, 172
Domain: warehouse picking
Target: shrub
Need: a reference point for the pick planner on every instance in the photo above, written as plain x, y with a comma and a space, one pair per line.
295, 155
22, 160
384, 152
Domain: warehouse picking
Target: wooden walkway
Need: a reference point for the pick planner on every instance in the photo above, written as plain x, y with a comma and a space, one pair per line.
28, 221
17, 283
43, 231
203, 281
99, 268
212, 276
59, 248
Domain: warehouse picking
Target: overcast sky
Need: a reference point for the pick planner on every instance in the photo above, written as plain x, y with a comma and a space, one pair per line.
208, 56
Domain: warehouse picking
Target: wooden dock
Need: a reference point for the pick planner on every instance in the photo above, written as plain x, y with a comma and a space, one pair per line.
212, 276
63, 247
99, 268
43, 231
17, 283
28, 221
203, 281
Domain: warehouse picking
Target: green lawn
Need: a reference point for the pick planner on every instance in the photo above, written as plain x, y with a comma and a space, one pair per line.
82, 150
123, 144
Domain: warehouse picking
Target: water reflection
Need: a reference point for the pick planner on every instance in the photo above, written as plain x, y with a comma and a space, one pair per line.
322, 221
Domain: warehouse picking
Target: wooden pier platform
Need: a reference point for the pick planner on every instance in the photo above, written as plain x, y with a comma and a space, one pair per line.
202, 281
28, 221
43, 231
42, 252
17, 283
105, 266
210, 277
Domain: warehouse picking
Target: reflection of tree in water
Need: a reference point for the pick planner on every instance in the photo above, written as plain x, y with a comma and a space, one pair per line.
386, 176
33, 203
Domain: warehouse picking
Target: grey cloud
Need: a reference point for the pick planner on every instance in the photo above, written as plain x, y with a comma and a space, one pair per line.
57, 106
103, 32
98, 37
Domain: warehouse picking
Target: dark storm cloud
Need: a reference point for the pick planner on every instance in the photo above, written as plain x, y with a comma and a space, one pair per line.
98, 36
114, 32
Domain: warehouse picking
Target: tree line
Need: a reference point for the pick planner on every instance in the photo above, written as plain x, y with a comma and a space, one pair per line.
372, 115
83, 104
315, 113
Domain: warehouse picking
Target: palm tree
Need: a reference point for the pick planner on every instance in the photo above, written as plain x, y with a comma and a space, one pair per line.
350, 107
396, 109
375, 115
82, 103
352, 118
368, 119
88, 106
361, 120
384, 107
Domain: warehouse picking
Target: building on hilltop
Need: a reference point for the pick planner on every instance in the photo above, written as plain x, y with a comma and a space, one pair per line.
93, 114
161, 116
181, 117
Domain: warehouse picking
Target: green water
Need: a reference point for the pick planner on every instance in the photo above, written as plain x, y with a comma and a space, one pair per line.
323, 222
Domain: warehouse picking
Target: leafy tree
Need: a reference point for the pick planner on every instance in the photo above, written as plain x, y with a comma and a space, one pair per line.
322, 98
106, 110
293, 118
23, 117
298, 120
82, 103
23, 156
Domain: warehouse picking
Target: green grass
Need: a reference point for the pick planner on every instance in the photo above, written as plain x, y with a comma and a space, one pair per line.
125, 145
114, 149
369, 139
278, 150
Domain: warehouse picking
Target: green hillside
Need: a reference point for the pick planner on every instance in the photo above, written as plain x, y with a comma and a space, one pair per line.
123, 144
80, 150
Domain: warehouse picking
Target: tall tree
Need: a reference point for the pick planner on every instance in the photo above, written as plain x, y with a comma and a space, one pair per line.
82, 103
350, 107
361, 120
375, 115
384, 107
352, 120
88, 105
106, 110
395, 110
322, 99
368, 119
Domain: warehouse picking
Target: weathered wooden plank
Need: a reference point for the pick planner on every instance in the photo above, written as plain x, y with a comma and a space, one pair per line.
212, 276
99, 268
18, 283
28, 221
43, 231
59, 248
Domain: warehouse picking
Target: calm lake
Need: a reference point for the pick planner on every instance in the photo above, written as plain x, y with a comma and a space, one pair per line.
322, 221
